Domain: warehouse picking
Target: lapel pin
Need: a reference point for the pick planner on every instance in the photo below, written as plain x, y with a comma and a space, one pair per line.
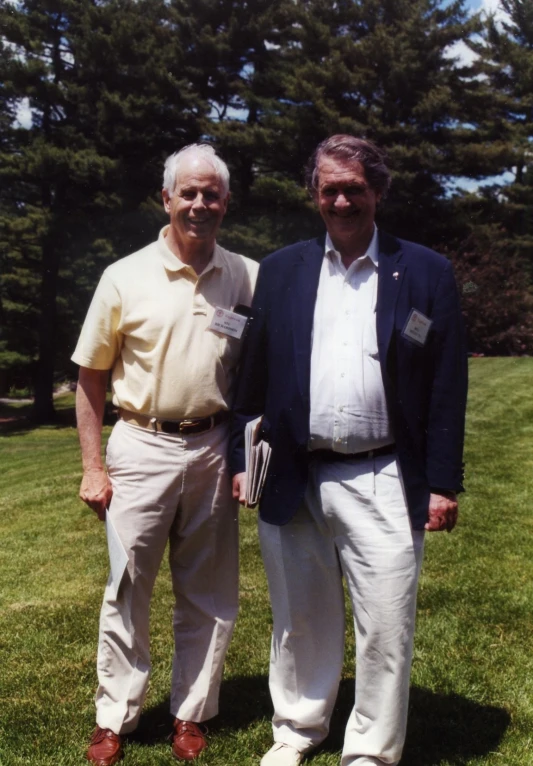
395, 275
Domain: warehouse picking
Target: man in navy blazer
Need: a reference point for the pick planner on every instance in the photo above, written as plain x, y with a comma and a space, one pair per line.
355, 356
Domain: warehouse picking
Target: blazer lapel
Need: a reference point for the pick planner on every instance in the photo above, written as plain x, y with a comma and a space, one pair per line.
306, 276
390, 275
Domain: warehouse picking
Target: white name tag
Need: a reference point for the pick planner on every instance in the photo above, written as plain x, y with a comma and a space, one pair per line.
228, 323
417, 327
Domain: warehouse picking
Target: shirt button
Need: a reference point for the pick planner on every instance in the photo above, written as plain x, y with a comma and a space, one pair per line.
341, 409
342, 375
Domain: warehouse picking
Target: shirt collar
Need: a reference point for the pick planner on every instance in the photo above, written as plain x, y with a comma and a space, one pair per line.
372, 250
173, 263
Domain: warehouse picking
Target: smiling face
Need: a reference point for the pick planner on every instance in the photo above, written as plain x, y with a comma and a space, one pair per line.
347, 204
196, 207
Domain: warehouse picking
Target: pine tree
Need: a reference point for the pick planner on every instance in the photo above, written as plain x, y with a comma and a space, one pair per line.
242, 54
109, 101
382, 69
499, 252
506, 65
282, 76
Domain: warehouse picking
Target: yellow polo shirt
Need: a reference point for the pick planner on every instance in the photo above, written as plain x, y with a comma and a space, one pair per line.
149, 323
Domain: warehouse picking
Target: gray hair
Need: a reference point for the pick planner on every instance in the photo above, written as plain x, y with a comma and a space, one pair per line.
206, 152
351, 149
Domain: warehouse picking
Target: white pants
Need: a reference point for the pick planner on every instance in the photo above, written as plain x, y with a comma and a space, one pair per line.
353, 523
173, 488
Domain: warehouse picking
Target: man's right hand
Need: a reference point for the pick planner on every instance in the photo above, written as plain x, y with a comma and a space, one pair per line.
239, 489
96, 491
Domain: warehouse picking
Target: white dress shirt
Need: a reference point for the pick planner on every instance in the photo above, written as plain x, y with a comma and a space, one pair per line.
348, 407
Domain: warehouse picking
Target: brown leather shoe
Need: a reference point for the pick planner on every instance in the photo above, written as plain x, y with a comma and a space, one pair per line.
188, 740
105, 748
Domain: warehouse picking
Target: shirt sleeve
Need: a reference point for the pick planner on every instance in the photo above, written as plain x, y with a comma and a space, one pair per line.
100, 340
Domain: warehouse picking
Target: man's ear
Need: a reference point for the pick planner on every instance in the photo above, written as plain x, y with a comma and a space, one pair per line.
166, 200
226, 201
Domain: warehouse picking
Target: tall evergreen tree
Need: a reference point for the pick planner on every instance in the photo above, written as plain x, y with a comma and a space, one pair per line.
506, 65
108, 101
382, 68
282, 76
242, 53
495, 261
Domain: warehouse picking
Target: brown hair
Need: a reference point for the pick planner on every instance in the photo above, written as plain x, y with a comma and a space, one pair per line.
351, 149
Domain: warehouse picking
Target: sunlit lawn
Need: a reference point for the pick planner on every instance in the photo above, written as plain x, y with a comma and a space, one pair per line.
472, 682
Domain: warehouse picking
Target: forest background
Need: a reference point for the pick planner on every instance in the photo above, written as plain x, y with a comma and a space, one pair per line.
112, 87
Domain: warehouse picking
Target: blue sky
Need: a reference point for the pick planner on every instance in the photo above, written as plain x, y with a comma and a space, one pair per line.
482, 5
486, 5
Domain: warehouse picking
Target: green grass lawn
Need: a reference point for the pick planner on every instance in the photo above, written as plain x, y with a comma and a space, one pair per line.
472, 681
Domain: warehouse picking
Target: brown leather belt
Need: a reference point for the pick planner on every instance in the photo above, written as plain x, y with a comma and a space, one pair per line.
183, 427
330, 456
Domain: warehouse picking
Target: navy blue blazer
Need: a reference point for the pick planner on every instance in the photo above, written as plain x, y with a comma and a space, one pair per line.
425, 386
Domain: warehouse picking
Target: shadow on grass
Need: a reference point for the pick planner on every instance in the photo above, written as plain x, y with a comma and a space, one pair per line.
15, 421
243, 700
442, 727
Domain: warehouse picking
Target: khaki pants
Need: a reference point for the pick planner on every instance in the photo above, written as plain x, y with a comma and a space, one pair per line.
176, 489
354, 523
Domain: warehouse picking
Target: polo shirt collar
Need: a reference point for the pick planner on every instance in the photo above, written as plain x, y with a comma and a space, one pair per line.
172, 263
372, 251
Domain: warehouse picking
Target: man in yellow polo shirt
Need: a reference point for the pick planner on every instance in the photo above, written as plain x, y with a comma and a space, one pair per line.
165, 321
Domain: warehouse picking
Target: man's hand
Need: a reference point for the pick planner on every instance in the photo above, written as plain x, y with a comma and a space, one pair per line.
96, 491
443, 511
239, 489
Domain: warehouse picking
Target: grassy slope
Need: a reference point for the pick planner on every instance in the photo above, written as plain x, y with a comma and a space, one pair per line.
472, 683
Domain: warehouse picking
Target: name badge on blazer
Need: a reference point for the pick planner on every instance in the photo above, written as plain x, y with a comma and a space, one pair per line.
417, 327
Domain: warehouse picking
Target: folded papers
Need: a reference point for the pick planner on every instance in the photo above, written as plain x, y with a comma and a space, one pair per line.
257, 456
118, 558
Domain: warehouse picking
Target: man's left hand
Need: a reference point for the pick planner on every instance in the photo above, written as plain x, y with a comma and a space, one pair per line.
443, 511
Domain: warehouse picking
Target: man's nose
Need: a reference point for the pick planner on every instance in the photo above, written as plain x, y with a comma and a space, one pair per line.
341, 201
199, 200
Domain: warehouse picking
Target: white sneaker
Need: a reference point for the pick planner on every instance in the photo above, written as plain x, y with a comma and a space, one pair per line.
282, 755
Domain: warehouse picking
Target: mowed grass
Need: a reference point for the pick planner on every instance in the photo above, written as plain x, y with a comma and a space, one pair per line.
472, 681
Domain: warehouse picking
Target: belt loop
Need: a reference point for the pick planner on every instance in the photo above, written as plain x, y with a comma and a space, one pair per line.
153, 423
212, 419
